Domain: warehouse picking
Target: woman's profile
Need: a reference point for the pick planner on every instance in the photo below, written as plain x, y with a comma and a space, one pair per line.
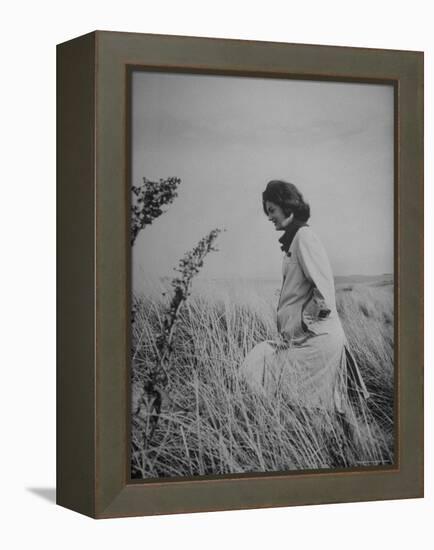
311, 357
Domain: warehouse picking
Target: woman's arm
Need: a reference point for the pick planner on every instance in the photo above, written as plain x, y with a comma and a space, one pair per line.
316, 267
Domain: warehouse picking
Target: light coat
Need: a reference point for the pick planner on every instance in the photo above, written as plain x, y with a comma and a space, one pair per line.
311, 358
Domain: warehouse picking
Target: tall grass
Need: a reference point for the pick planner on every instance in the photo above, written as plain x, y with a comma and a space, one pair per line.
215, 424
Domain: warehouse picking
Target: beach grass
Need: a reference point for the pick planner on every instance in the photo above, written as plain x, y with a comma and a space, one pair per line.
212, 423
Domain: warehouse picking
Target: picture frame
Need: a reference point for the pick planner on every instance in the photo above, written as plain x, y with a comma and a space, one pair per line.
94, 269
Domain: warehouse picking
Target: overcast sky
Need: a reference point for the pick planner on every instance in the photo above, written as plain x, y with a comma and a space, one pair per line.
226, 137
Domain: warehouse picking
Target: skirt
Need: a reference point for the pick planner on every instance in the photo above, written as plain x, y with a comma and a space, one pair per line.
313, 372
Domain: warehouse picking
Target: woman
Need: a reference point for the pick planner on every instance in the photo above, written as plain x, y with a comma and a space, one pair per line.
311, 359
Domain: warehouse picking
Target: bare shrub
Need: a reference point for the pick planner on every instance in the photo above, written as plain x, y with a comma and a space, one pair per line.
148, 201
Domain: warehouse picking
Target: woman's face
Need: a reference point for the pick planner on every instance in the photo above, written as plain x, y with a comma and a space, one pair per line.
276, 215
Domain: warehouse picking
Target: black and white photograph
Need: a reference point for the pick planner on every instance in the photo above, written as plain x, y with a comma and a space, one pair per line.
217, 298
262, 275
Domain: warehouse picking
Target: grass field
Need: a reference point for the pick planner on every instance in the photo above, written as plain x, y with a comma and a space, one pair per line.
213, 423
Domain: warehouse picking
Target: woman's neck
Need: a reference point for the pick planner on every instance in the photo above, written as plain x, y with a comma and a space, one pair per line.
289, 234
287, 221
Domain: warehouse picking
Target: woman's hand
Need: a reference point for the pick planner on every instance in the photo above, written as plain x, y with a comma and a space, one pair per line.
315, 311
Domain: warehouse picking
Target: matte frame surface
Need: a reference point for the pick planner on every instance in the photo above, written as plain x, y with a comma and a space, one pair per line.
93, 273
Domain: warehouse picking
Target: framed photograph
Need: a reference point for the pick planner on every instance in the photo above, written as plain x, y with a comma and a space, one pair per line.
240, 274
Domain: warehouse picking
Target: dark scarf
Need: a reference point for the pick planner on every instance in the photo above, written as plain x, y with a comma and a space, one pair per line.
290, 232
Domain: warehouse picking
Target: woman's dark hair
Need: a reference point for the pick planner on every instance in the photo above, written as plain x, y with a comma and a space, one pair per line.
288, 197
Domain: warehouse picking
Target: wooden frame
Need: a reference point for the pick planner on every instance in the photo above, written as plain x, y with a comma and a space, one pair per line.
93, 271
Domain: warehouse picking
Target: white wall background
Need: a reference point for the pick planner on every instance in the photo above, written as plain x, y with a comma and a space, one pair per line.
30, 31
